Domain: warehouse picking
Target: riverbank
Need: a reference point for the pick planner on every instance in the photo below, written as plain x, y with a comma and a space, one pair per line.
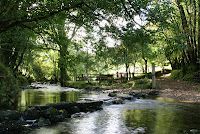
183, 91
180, 90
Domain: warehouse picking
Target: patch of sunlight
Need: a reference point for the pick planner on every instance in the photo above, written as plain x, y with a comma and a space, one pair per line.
161, 99
166, 75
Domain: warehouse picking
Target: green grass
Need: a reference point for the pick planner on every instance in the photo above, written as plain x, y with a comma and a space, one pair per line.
133, 84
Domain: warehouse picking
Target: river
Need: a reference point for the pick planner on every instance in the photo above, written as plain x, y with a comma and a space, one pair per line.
149, 116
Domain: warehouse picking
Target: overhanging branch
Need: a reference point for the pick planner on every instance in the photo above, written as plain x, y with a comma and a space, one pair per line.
6, 24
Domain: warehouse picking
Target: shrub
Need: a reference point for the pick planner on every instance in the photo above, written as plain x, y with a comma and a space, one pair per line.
187, 75
176, 74
80, 84
22, 80
143, 83
8, 88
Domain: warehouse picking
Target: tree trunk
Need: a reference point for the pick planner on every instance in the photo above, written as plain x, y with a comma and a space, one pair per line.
198, 47
62, 65
186, 31
127, 68
145, 66
195, 27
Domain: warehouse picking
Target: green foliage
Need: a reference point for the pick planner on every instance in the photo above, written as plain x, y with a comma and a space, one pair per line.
22, 80
143, 83
176, 74
179, 75
186, 73
13, 46
189, 76
31, 27
38, 73
8, 88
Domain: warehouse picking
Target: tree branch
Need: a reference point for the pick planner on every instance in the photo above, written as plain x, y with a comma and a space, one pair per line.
6, 24
128, 13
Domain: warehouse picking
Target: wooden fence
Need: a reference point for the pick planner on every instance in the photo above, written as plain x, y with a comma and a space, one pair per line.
106, 77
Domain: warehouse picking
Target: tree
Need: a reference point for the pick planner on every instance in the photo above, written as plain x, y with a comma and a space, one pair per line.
179, 23
137, 43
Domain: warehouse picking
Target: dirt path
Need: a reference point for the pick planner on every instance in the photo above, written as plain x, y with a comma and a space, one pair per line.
180, 90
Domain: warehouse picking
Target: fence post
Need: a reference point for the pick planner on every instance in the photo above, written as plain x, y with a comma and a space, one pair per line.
153, 76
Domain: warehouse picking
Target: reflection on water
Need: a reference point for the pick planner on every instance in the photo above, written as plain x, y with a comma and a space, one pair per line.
55, 94
165, 120
154, 116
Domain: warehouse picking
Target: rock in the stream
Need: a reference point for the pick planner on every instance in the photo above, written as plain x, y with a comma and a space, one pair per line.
38, 116
153, 93
11, 127
64, 113
57, 118
9, 115
31, 113
81, 114
78, 106
57, 112
125, 96
139, 130
112, 94
195, 131
43, 122
108, 102
50, 112
144, 94
139, 95
118, 101
31, 123
53, 115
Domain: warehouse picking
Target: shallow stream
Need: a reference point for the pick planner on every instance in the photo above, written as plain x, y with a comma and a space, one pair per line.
149, 116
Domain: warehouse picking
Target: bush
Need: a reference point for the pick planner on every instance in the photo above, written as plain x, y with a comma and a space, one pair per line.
187, 75
80, 84
8, 88
22, 80
143, 83
38, 73
176, 74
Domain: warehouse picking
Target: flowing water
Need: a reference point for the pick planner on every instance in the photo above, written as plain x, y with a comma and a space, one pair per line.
149, 116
